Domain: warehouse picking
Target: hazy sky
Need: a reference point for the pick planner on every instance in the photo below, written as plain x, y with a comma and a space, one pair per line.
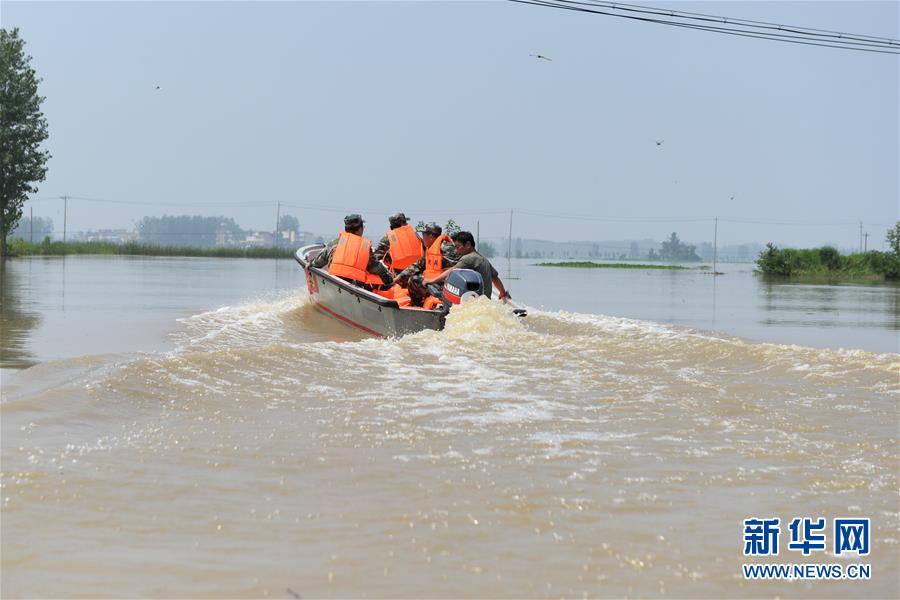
437, 109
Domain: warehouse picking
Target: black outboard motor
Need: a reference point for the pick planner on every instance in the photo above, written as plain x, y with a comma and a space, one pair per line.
459, 284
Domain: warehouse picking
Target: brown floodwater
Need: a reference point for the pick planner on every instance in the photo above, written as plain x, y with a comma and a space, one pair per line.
195, 428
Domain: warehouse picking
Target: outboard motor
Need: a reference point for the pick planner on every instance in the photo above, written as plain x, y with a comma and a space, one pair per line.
461, 284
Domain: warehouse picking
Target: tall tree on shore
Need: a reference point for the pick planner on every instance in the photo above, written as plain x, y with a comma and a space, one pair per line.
893, 238
23, 128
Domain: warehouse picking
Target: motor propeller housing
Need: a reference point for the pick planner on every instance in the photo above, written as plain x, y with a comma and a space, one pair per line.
461, 283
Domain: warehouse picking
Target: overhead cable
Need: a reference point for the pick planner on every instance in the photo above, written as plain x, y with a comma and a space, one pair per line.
728, 26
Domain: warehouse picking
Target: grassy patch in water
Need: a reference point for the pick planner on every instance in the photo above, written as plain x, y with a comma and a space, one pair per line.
828, 265
19, 247
593, 265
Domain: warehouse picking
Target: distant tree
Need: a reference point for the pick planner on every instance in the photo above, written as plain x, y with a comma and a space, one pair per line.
451, 227
633, 250
23, 128
829, 257
893, 239
41, 228
772, 261
188, 230
674, 249
487, 249
518, 251
651, 255
288, 223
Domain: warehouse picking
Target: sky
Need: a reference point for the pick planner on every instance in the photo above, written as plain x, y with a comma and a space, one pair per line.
437, 109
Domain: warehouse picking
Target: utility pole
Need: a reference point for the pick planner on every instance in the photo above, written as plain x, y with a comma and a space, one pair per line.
509, 248
715, 245
866, 243
860, 237
477, 233
277, 219
65, 216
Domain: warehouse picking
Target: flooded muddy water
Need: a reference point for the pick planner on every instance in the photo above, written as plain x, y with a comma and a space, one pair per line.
196, 428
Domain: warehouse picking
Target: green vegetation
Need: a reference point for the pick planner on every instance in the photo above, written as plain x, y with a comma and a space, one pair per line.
23, 129
829, 264
19, 247
593, 265
893, 238
674, 250
191, 231
487, 249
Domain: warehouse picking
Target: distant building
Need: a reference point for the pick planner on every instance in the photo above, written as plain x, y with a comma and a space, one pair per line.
255, 239
112, 236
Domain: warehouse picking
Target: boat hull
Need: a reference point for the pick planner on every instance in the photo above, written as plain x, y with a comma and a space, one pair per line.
360, 308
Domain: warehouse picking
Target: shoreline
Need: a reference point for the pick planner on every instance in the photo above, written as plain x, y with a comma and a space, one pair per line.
21, 248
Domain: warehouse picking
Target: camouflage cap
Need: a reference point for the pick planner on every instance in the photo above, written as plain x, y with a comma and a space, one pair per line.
397, 219
353, 220
432, 228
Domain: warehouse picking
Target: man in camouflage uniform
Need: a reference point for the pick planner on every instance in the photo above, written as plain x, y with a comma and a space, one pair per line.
395, 220
353, 224
412, 276
464, 243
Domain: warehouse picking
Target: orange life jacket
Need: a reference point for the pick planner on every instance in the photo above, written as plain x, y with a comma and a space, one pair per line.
434, 258
406, 247
351, 257
401, 296
397, 293
431, 302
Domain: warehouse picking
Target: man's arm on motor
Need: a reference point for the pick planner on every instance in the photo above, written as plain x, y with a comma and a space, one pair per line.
504, 295
439, 278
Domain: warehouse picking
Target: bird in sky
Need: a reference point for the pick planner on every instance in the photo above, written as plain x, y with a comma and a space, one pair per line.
157, 87
659, 142
541, 57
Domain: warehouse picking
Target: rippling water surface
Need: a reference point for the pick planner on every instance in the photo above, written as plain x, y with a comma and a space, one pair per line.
258, 446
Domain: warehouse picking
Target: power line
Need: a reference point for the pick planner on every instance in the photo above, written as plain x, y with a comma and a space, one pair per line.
580, 217
384, 212
155, 203
728, 26
450, 212
821, 33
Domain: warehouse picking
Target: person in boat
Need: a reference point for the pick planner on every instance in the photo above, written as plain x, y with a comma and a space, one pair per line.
350, 257
440, 254
401, 246
464, 243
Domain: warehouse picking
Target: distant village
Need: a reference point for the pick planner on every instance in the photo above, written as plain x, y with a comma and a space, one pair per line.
204, 232
211, 232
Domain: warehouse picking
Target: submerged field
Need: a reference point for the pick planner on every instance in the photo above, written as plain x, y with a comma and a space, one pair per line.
594, 265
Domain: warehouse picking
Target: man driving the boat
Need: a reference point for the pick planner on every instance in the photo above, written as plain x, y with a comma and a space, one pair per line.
350, 257
464, 243
440, 254
401, 246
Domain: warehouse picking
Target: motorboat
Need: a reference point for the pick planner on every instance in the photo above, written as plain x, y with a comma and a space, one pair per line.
380, 312
362, 308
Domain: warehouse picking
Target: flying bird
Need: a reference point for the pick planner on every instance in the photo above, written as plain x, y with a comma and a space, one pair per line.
659, 142
157, 87
541, 57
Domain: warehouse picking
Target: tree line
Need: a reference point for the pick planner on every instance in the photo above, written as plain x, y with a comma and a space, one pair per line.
829, 263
